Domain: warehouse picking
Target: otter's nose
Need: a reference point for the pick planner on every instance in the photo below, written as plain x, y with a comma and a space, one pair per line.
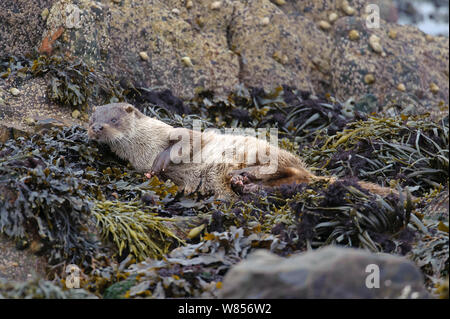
97, 128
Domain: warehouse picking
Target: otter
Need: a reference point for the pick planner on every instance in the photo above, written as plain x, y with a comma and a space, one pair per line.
149, 145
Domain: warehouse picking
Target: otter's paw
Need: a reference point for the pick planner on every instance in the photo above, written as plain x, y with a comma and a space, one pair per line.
161, 162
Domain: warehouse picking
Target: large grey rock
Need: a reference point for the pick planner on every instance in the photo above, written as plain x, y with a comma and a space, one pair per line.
330, 272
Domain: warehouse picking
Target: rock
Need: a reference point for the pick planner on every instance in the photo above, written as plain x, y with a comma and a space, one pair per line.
353, 35
187, 61
375, 44
407, 58
215, 5
401, 87
324, 25
32, 103
14, 91
76, 114
333, 17
331, 272
19, 265
21, 25
265, 21
229, 46
189, 4
345, 6
143, 55
369, 78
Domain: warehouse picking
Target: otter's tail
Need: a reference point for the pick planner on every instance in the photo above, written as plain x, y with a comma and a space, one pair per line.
291, 175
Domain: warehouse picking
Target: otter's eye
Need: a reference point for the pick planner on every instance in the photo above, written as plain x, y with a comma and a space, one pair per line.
114, 120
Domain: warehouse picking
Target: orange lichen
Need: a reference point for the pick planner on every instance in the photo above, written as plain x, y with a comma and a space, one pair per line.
47, 43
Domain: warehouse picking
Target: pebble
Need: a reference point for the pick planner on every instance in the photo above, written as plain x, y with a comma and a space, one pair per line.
347, 8
216, 5
279, 2
44, 14
14, 91
333, 17
392, 34
29, 121
176, 11
265, 21
401, 87
375, 44
189, 4
353, 35
434, 88
280, 57
369, 78
76, 114
324, 25
143, 55
187, 61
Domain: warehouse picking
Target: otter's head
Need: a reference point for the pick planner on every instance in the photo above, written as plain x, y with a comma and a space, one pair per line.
113, 123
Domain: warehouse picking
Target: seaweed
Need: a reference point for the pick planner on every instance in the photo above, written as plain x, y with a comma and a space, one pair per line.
56, 187
134, 228
402, 150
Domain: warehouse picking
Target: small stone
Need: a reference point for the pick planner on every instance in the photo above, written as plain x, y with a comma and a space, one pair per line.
429, 37
1, 101
189, 4
392, 34
333, 17
29, 121
369, 78
375, 44
44, 14
280, 57
76, 114
401, 87
187, 61
176, 11
324, 25
347, 8
14, 91
279, 2
434, 88
353, 35
116, 1
265, 21
143, 55
215, 5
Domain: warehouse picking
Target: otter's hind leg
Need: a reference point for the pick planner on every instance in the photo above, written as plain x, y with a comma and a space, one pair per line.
286, 175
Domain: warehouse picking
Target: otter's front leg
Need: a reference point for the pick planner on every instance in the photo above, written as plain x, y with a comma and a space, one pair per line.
161, 162
163, 159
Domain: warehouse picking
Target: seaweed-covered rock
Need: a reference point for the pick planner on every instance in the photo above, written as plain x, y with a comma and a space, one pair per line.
326, 273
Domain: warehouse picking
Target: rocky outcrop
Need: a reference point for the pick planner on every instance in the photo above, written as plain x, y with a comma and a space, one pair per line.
319, 46
330, 272
392, 62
